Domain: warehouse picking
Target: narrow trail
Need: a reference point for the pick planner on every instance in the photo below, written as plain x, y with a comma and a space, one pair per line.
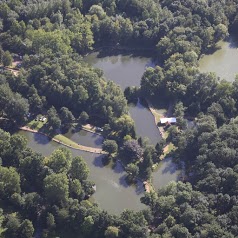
76, 146
90, 128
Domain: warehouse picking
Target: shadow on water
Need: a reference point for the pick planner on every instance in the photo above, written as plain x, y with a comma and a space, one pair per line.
99, 162
117, 168
140, 188
152, 63
41, 139
211, 50
170, 168
126, 52
98, 141
123, 181
233, 41
138, 185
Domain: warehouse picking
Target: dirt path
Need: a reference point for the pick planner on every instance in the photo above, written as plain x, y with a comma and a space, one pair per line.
147, 186
13, 71
76, 146
166, 148
90, 128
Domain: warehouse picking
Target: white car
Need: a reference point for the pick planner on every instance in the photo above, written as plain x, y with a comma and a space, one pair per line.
99, 129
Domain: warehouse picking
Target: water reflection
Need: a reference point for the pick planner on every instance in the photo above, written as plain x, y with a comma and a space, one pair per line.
224, 61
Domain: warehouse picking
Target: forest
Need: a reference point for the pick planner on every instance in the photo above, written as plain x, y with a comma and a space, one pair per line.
48, 196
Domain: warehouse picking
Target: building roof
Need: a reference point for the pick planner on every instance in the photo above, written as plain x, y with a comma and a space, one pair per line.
167, 119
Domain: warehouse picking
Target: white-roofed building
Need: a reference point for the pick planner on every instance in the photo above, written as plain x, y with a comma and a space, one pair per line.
166, 120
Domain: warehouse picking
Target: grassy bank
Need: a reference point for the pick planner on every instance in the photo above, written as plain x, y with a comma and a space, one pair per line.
41, 127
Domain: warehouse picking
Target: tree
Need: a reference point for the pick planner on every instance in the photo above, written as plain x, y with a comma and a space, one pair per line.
31, 205
26, 229
16, 107
36, 103
76, 188
2, 228
83, 118
132, 169
179, 109
110, 146
31, 168
66, 116
180, 232
9, 182
124, 125
98, 11
111, 232
60, 160
53, 42
131, 150
7, 59
56, 187
50, 221
160, 147
53, 118
12, 225
131, 94
206, 124
217, 112
79, 169
151, 82
18, 145
87, 225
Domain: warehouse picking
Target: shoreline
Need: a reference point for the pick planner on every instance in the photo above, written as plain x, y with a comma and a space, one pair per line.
156, 120
76, 147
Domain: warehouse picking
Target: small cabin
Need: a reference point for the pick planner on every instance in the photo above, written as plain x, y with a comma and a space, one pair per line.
167, 120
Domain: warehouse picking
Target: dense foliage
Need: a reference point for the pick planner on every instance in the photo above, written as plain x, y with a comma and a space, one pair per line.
48, 196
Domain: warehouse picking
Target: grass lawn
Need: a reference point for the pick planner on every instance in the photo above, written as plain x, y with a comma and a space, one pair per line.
166, 134
66, 140
42, 127
36, 125
169, 148
158, 112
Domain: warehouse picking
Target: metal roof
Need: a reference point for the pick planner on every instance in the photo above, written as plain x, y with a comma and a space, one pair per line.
167, 119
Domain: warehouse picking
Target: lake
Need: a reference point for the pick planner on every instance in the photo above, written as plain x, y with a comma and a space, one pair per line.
112, 191
113, 194
127, 70
124, 70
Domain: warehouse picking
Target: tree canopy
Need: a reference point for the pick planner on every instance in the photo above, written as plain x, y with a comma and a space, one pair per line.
45, 42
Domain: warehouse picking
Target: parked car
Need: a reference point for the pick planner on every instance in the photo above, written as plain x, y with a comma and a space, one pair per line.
19, 65
99, 129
